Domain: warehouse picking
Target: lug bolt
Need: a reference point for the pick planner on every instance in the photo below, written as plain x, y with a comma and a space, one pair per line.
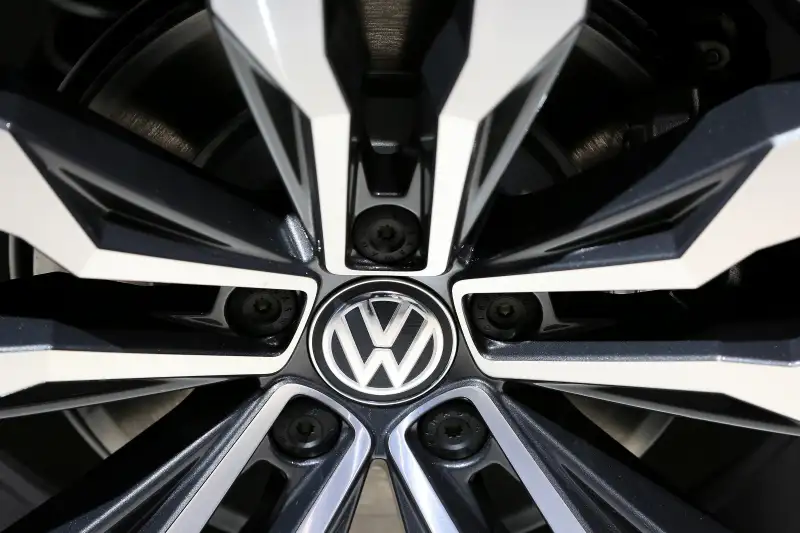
505, 316
453, 431
386, 234
261, 312
305, 429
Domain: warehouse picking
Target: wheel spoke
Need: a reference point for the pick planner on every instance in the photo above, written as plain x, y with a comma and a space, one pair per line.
123, 332
561, 473
279, 54
761, 373
131, 481
109, 207
711, 408
36, 352
733, 167
106, 208
492, 105
180, 491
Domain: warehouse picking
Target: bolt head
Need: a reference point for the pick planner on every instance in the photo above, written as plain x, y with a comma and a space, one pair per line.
453, 431
505, 316
386, 234
261, 312
305, 429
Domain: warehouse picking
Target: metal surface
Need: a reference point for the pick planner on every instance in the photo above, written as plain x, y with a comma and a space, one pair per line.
547, 498
380, 351
258, 38
413, 325
197, 511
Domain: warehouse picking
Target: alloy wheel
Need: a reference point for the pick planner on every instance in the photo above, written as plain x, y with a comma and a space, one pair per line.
400, 310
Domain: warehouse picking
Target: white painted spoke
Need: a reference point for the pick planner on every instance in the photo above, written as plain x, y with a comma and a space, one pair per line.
759, 214
176, 474
31, 209
283, 44
286, 41
769, 383
74, 184
510, 43
39, 352
773, 387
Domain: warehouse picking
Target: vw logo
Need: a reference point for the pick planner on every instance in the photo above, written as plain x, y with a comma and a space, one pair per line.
382, 341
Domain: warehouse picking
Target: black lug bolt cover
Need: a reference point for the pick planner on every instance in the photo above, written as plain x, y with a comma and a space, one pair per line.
505, 316
386, 234
305, 429
260, 312
453, 431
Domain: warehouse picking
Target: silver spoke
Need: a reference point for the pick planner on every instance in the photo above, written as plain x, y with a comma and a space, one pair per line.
136, 478
38, 352
222, 469
27, 368
560, 473
88, 394
740, 164
34, 206
101, 206
50, 352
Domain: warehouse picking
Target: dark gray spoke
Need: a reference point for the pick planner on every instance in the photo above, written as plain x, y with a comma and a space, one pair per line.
315, 490
732, 168
120, 335
118, 208
175, 475
574, 486
604, 492
700, 406
129, 484
303, 505
61, 396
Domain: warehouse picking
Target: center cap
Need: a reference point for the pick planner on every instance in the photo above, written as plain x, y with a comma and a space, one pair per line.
382, 341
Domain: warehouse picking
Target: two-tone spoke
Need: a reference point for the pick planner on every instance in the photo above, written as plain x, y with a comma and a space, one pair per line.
175, 475
726, 192
573, 486
105, 206
285, 58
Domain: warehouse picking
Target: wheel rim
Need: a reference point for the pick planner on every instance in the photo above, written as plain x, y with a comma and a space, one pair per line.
119, 210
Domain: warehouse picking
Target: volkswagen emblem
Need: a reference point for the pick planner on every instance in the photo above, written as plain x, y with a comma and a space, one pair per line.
382, 341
